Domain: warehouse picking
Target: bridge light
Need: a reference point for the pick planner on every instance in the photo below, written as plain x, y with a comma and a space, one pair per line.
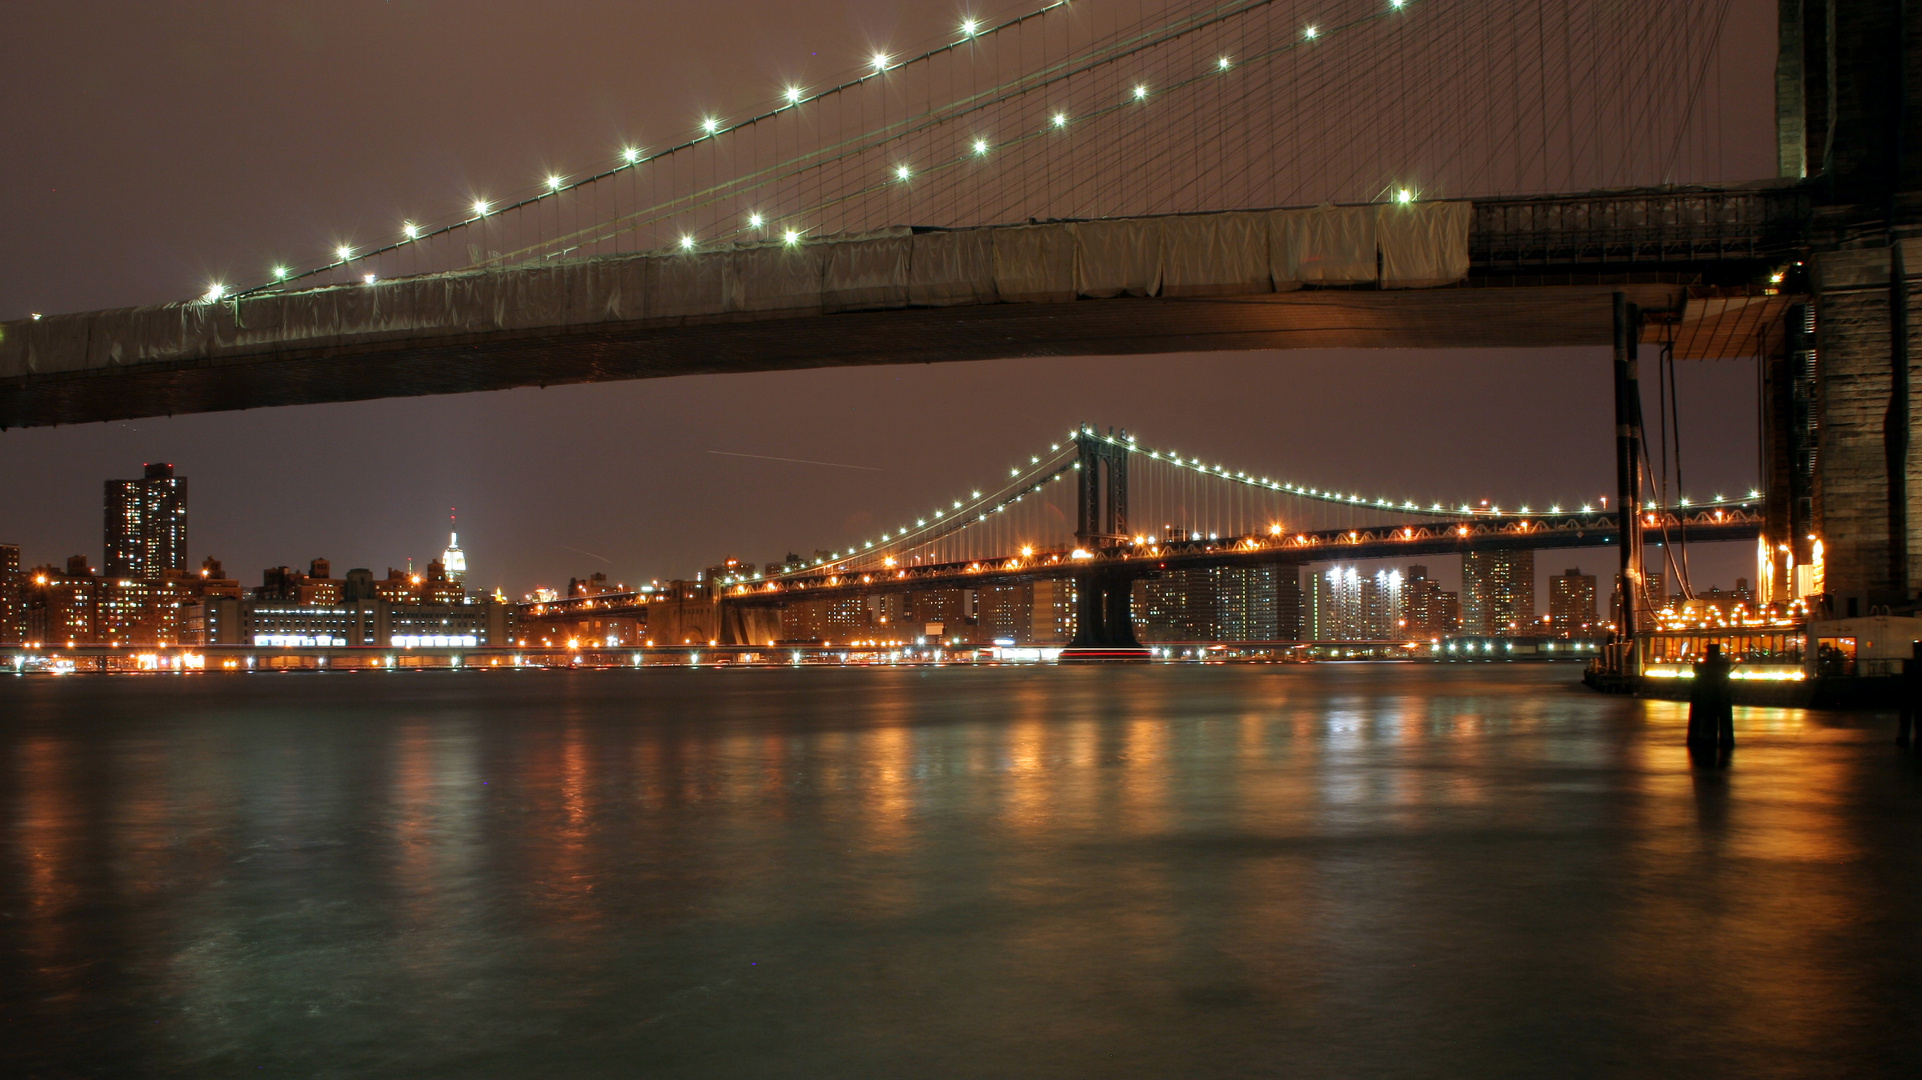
1587, 508
902, 172
214, 292
793, 95
969, 27
754, 221
710, 125
687, 242
280, 273
1060, 119
880, 61
631, 154
1404, 196
555, 183
980, 146
1027, 551
343, 253
1310, 33
791, 237
1223, 64
1396, 4
367, 278
1141, 92
480, 207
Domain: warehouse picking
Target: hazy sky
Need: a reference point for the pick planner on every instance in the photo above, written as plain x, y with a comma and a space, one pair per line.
152, 147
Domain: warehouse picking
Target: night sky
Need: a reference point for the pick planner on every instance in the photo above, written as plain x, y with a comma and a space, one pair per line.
152, 148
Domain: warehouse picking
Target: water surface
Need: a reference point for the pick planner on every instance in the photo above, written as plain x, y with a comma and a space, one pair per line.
1169, 871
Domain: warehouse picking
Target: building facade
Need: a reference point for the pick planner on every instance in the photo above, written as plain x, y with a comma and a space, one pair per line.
1428, 610
13, 597
269, 623
146, 524
1498, 593
1571, 604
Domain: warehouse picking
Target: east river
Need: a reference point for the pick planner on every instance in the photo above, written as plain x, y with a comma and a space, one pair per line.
1172, 871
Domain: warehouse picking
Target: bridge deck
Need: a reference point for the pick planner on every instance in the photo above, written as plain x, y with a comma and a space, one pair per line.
1347, 277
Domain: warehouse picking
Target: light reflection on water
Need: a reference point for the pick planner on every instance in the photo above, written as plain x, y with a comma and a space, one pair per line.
1168, 871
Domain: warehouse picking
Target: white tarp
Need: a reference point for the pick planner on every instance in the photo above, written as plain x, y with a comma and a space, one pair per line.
1423, 244
1214, 255
1328, 245
867, 274
951, 268
1117, 258
776, 278
1034, 263
681, 286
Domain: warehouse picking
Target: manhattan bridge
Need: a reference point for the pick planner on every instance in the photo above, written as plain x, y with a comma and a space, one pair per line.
1108, 178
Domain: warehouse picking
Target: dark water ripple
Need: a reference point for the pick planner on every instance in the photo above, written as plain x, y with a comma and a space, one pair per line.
1340, 871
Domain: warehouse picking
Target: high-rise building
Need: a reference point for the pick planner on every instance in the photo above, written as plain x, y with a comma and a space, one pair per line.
1498, 592
13, 599
1571, 603
1428, 611
1053, 611
1250, 601
1334, 605
455, 560
1381, 606
146, 524
1226, 603
1288, 605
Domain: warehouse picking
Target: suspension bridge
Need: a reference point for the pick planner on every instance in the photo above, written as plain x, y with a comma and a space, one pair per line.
1103, 178
1101, 511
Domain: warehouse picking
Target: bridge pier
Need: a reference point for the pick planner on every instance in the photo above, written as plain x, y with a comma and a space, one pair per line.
1104, 622
1844, 483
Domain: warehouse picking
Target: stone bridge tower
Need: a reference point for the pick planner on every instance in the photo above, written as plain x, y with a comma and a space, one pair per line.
1845, 486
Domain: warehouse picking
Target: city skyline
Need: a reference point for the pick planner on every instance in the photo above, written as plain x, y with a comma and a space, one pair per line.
664, 496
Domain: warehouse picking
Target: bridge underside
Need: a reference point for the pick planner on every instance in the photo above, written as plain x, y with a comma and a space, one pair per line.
1527, 272
1509, 316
